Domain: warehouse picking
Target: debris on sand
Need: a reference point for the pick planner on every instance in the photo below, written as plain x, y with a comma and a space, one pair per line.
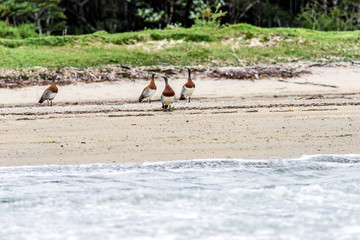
17, 78
257, 72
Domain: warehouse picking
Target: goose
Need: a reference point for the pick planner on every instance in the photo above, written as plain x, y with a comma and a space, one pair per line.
167, 95
50, 93
149, 90
188, 88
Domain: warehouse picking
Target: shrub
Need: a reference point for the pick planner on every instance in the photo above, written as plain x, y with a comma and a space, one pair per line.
336, 19
20, 32
209, 19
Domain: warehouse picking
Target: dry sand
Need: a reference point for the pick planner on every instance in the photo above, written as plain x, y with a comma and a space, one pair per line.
261, 119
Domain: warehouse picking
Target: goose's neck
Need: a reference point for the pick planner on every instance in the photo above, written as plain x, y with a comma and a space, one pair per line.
166, 81
189, 73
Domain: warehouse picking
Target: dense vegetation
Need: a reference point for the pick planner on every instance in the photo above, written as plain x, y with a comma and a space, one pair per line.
38, 32
62, 17
236, 45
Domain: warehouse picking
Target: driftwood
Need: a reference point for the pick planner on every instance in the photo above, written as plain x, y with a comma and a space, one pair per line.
310, 83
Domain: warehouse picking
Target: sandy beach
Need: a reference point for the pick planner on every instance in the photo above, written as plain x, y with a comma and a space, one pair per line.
270, 118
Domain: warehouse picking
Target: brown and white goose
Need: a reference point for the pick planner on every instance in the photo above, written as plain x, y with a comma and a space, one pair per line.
50, 93
167, 95
188, 88
149, 90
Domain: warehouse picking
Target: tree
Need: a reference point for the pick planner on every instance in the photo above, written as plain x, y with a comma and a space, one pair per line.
45, 14
87, 16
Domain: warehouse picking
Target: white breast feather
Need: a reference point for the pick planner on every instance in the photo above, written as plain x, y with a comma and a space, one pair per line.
166, 100
187, 92
52, 96
190, 92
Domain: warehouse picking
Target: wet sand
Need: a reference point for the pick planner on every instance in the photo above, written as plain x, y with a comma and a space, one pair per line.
261, 119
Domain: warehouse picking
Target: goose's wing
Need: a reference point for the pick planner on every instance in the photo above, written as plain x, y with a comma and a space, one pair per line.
184, 90
144, 93
46, 95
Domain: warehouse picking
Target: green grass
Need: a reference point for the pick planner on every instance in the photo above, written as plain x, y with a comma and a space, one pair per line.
235, 45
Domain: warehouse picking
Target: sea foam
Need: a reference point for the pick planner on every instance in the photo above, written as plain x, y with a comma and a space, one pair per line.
312, 197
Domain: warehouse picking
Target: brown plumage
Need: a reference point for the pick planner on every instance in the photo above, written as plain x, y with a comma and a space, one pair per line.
168, 91
50, 93
167, 96
149, 90
189, 84
188, 88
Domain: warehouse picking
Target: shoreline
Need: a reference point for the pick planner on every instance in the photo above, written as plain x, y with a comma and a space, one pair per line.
147, 163
264, 119
265, 133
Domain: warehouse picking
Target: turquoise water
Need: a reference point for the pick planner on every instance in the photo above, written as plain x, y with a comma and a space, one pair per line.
315, 197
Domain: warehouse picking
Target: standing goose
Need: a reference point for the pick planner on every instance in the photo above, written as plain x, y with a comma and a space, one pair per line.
149, 90
188, 88
167, 95
50, 93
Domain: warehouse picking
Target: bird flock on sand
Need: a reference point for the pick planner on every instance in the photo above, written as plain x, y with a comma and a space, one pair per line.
167, 96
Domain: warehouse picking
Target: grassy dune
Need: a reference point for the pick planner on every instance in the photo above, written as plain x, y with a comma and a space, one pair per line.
236, 45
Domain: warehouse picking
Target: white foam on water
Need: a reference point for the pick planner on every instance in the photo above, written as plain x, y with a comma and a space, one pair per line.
312, 197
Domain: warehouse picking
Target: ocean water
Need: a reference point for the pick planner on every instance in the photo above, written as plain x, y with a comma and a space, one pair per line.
314, 197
